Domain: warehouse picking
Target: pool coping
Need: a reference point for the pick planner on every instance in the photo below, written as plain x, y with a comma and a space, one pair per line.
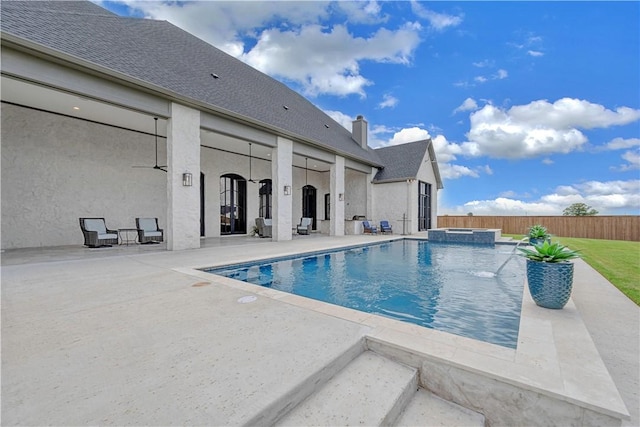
555, 356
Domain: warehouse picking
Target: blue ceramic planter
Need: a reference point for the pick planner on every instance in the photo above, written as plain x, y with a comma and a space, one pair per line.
538, 241
550, 283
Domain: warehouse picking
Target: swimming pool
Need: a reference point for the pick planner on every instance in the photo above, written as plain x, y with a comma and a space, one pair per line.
448, 287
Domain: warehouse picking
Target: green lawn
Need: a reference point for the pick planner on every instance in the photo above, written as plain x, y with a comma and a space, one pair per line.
617, 260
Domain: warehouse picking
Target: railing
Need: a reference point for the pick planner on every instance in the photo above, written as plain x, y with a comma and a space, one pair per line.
613, 227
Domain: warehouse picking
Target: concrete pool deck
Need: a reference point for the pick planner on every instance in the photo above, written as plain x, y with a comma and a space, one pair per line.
141, 337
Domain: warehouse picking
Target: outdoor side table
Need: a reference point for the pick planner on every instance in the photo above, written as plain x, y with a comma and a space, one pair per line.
125, 235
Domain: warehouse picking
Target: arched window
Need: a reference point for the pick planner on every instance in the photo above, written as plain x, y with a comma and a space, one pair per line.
233, 202
265, 198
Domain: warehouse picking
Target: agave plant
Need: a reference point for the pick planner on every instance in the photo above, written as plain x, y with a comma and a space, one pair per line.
547, 252
538, 232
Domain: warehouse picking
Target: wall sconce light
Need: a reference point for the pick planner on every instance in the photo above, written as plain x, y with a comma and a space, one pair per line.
287, 190
187, 179
341, 196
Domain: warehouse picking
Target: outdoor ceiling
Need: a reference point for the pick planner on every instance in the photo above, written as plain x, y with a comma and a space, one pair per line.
56, 101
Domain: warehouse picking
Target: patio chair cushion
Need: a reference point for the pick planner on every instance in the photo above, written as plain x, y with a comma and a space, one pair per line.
148, 225
103, 236
152, 233
96, 225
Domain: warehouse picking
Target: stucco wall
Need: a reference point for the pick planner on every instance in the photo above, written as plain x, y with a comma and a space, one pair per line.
56, 169
390, 203
355, 194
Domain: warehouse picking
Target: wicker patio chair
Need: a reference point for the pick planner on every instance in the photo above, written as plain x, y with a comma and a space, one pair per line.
148, 230
264, 227
368, 228
96, 234
305, 225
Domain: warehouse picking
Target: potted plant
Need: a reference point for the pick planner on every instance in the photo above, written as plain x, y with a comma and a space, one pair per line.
550, 273
538, 234
255, 231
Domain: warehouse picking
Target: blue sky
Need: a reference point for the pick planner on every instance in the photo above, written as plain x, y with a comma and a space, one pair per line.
532, 106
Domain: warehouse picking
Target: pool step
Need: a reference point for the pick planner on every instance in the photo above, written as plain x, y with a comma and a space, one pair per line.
425, 408
371, 390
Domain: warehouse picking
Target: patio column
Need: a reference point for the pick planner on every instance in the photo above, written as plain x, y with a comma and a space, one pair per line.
369, 186
183, 156
336, 189
282, 173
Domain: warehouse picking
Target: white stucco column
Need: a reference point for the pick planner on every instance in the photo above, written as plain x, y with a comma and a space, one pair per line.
336, 188
412, 207
183, 156
282, 177
369, 184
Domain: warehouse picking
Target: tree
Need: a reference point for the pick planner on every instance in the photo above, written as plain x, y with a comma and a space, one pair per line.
579, 209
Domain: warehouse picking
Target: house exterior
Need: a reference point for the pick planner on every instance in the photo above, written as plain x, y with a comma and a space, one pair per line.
81, 89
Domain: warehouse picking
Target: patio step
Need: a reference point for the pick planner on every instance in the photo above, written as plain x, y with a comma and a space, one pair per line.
374, 390
425, 408
371, 390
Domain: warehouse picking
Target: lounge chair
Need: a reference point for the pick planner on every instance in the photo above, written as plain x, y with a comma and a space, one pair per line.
96, 234
368, 228
305, 225
148, 230
264, 226
385, 227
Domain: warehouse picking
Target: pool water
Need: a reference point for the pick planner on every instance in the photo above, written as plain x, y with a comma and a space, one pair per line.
448, 287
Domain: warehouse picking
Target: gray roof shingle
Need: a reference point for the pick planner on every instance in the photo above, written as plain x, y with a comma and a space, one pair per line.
401, 161
164, 56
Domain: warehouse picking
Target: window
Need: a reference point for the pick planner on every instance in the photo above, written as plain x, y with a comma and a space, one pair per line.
265, 198
327, 206
424, 206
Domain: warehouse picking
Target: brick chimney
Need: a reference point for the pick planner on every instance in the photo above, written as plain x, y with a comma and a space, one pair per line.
359, 131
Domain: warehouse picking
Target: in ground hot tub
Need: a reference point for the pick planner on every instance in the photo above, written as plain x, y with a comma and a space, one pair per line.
464, 235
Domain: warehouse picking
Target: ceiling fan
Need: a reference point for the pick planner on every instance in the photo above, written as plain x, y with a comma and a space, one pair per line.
155, 166
250, 180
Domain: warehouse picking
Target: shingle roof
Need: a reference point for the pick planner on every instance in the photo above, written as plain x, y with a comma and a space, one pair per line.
162, 55
403, 161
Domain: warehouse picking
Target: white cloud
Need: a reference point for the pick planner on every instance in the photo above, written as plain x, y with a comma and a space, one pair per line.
334, 66
409, 135
446, 154
547, 161
484, 63
437, 21
620, 144
607, 197
501, 74
633, 161
388, 101
449, 171
539, 128
534, 53
468, 104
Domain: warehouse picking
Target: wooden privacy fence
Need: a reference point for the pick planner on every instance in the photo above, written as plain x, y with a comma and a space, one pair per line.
614, 227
